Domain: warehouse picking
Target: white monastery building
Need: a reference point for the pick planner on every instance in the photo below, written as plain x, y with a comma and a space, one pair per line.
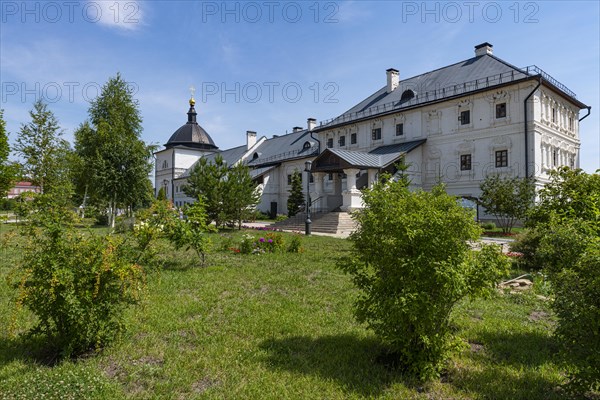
455, 125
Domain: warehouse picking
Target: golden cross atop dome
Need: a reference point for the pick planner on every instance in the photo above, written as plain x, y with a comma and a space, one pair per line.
192, 91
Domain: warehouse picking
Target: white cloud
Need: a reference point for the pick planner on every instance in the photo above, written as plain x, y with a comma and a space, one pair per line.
121, 14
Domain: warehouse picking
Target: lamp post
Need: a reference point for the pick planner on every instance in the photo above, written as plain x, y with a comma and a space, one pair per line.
307, 167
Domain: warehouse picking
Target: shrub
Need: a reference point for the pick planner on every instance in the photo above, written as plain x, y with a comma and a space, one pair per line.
247, 244
527, 243
77, 285
192, 232
295, 245
488, 226
570, 251
412, 264
508, 199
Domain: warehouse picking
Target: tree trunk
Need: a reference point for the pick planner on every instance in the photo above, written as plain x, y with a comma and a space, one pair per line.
113, 211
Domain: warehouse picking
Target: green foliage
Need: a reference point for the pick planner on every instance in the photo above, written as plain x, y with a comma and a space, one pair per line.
192, 231
564, 239
230, 193
247, 244
208, 179
508, 199
241, 194
77, 285
296, 198
115, 162
295, 244
412, 264
161, 194
527, 243
8, 170
570, 194
7, 204
488, 226
46, 155
570, 251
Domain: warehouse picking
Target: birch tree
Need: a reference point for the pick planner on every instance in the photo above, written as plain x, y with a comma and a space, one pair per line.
115, 161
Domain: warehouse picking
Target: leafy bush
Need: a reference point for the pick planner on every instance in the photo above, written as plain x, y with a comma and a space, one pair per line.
570, 252
247, 244
527, 243
508, 199
412, 263
77, 285
192, 231
570, 194
488, 226
295, 245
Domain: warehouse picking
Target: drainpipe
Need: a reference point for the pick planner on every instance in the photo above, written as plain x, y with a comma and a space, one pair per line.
526, 133
311, 136
589, 108
173, 177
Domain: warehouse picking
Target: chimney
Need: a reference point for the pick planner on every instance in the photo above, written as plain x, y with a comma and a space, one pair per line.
250, 139
393, 79
311, 123
483, 49
297, 129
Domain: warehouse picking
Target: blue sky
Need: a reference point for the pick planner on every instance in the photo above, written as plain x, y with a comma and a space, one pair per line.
268, 65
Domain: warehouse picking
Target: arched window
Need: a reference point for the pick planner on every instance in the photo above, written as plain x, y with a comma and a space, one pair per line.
408, 94
165, 164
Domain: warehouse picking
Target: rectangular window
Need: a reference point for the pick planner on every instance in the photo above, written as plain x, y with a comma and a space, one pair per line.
353, 138
465, 117
330, 176
554, 158
501, 158
570, 123
572, 162
501, 110
289, 179
342, 141
465, 162
311, 179
330, 143
376, 134
554, 115
399, 129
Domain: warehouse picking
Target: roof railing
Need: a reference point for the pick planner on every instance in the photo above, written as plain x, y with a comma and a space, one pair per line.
450, 91
282, 156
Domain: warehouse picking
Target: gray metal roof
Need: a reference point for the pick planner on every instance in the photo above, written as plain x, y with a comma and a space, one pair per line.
380, 157
282, 148
470, 75
230, 156
191, 134
255, 173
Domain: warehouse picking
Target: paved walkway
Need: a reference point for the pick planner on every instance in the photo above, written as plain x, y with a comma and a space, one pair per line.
504, 242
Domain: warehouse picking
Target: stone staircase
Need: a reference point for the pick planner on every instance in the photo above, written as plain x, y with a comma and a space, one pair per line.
338, 223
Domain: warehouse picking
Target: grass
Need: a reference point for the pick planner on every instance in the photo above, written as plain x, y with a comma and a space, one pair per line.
275, 326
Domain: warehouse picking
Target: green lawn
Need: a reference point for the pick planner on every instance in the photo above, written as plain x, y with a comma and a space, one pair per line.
275, 326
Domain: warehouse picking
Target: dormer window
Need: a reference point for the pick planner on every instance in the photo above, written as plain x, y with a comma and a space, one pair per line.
407, 95
306, 146
255, 156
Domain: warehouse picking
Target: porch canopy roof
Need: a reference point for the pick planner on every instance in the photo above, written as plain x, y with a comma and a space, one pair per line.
336, 160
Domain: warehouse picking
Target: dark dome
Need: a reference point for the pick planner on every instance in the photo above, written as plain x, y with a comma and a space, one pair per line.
191, 134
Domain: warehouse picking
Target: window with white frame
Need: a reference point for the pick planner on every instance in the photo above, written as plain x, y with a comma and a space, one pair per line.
465, 162
399, 129
501, 158
376, 134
